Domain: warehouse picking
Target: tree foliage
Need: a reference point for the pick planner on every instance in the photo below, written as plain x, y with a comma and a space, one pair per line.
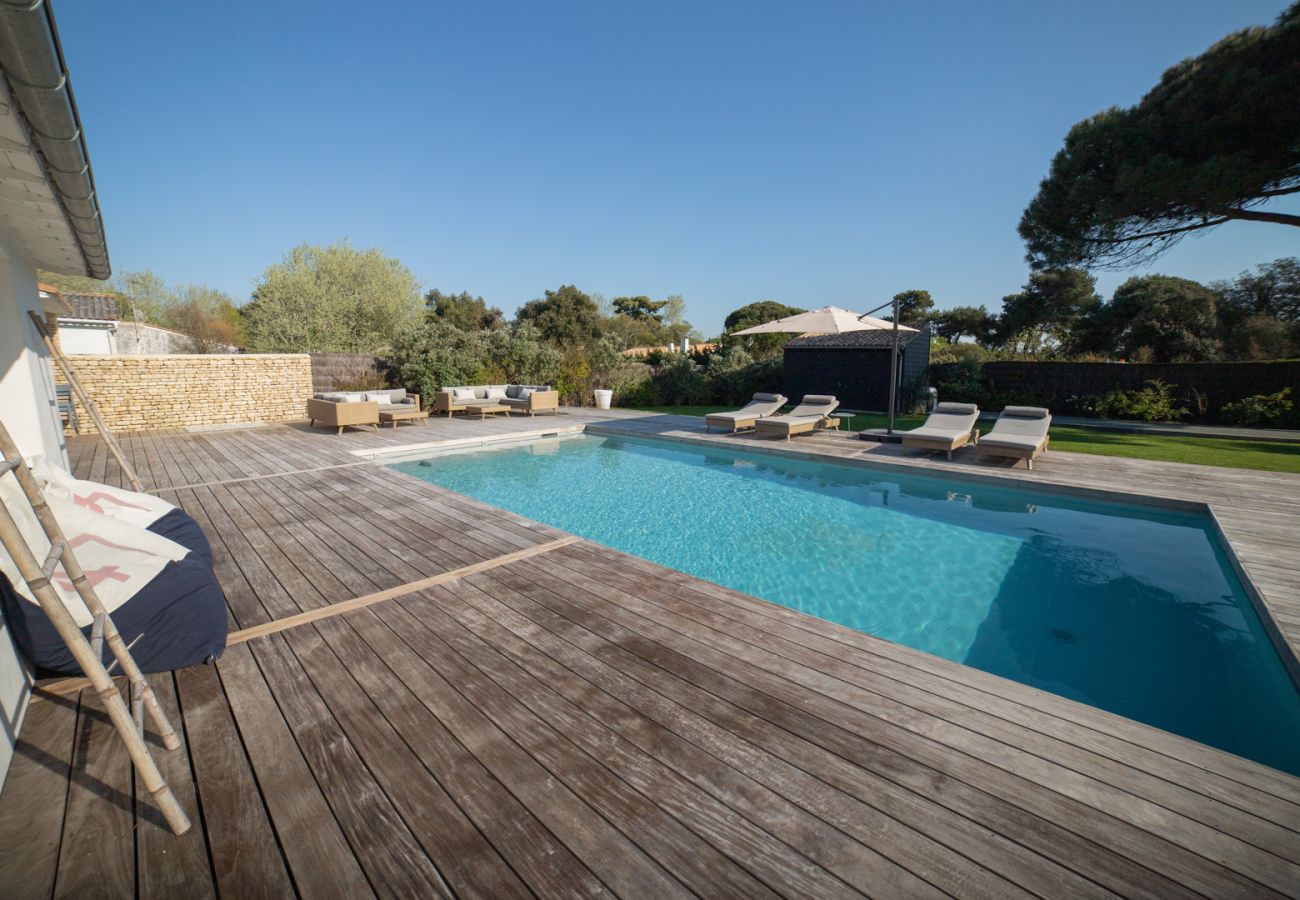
972, 322
332, 298
751, 314
436, 354
1157, 318
1259, 312
1273, 289
209, 317
1218, 137
466, 312
639, 308
565, 317
915, 308
1043, 314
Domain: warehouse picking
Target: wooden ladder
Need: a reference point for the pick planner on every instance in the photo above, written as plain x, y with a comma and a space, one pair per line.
87, 402
89, 653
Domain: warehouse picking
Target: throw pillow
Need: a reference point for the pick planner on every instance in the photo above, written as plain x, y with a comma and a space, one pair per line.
462, 395
496, 394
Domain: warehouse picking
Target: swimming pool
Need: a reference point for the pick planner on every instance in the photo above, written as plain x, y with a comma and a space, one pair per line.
1133, 609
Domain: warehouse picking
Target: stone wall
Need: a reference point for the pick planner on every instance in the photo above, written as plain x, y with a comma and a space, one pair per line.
144, 393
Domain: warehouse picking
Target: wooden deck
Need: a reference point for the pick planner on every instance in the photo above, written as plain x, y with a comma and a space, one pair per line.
583, 722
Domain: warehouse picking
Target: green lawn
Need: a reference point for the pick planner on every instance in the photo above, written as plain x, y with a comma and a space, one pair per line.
1266, 456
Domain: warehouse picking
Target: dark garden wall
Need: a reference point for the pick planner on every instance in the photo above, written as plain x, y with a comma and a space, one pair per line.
1202, 387
354, 371
858, 378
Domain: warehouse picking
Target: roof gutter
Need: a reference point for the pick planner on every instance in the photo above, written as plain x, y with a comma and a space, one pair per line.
31, 58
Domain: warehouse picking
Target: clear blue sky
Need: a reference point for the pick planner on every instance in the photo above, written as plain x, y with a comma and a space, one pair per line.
813, 153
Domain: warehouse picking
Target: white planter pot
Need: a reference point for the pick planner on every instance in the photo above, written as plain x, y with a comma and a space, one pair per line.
603, 398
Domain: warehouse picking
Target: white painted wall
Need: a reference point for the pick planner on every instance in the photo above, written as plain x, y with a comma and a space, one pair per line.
76, 337
29, 410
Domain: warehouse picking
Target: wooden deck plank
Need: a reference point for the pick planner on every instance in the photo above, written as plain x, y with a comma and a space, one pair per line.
168, 866
100, 802
35, 799
245, 855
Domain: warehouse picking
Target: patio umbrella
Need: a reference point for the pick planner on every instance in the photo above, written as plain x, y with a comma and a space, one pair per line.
827, 320
834, 320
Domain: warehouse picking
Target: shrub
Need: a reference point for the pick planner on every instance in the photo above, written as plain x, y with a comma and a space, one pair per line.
942, 352
681, 382
367, 380
436, 354
1276, 410
1153, 403
964, 383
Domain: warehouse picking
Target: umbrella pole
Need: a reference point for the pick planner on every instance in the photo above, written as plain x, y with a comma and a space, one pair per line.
893, 372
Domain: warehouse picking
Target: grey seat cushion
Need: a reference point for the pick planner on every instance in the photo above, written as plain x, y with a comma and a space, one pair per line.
1026, 412
1013, 441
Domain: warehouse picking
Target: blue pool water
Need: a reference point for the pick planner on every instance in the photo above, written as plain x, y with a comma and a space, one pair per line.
1129, 608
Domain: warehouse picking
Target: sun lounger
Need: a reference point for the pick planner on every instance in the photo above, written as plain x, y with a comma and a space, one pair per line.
950, 426
812, 414
1019, 433
761, 406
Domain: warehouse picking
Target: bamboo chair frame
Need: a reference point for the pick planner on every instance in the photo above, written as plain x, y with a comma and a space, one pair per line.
89, 652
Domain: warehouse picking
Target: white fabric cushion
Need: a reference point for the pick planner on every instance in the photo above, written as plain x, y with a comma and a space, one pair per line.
461, 395
358, 397
496, 393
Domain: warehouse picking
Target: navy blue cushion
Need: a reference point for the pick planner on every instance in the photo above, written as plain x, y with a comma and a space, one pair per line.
181, 613
179, 527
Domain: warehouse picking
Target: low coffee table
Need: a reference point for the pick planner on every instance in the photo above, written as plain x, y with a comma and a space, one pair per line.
485, 409
403, 415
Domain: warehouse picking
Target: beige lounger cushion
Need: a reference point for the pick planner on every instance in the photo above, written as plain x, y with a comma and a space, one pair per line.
786, 423
739, 416
761, 405
1019, 428
948, 426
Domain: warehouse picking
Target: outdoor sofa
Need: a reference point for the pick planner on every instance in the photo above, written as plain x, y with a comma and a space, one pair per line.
761, 406
812, 414
950, 427
1019, 433
344, 409
519, 398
